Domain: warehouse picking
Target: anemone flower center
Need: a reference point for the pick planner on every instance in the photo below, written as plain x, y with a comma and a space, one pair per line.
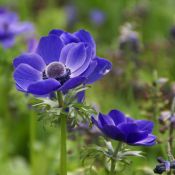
57, 71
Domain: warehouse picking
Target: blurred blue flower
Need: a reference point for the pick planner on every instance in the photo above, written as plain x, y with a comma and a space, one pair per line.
97, 17
62, 61
129, 39
10, 27
71, 13
119, 127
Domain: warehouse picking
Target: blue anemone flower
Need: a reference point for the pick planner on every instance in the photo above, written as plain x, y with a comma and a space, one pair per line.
10, 27
97, 17
119, 127
62, 61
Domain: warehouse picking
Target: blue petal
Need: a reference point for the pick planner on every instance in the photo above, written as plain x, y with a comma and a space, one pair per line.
24, 75
117, 116
32, 44
85, 36
19, 88
86, 63
128, 128
31, 59
9, 42
49, 48
65, 51
113, 132
43, 87
76, 57
90, 69
18, 28
69, 38
130, 120
145, 125
148, 141
81, 96
105, 119
72, 83
136, 136
97, 123
56, 32
102, 68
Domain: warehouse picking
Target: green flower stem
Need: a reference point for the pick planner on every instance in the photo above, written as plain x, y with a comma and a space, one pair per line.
113, 159
63, 137
32, 140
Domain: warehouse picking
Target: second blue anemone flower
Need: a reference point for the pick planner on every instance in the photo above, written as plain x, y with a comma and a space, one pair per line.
119, 127
11, 26
62, 61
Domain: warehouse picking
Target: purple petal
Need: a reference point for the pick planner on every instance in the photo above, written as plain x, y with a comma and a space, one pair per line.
19, 88
56, 32
19, 28
9, 17
76, 57
65, 51
128, 128
32, 44
44, 87
130, 120
81, 96
7, 43
149, 141
136, 136
113, 132
85, 36
97, 123
102, 68
31, 59
86, 63
145, 125
105, 119
24, 75
117, 116
90, 69
49, 48
72, 83
69, 38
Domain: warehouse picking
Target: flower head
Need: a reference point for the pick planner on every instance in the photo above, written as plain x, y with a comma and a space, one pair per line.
129, 39
97, 17
62, 61
119, 127
10, 27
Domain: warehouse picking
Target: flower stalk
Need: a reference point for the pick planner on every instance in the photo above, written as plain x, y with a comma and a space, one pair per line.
113, 159
171, 133
63, 137
171, 129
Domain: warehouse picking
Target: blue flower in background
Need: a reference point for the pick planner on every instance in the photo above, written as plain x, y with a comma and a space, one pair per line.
97, 17
71, 14
119, 127
10, 27
62, 61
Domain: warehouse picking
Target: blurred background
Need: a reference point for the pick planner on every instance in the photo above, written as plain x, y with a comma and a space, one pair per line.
137, 36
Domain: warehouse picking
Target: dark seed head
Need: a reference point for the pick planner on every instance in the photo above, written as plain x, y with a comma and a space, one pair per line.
55, 70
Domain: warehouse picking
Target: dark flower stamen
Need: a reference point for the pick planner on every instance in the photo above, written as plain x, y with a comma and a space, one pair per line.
57, 71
